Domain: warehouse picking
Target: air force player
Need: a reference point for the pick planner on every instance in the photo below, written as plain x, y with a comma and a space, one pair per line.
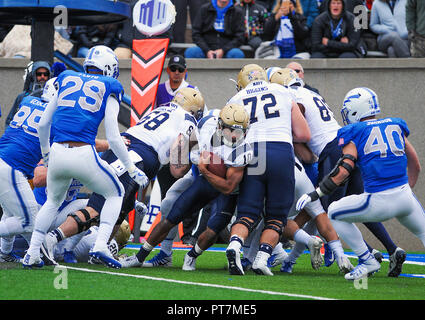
19, 156
152, 142
379, 147
73, 117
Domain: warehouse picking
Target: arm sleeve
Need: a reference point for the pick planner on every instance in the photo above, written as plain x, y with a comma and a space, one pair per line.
113, 134
45, 124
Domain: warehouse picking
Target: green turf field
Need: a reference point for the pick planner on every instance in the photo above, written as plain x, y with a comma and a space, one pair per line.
210, 281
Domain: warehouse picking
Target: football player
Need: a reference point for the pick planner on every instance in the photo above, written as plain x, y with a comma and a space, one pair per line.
379, 147
159, 134
19, 155
224, 136
275, 122
323, 144
72, 117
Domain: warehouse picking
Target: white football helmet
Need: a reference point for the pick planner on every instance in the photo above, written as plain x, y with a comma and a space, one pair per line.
104, 59
359, 103
49, 90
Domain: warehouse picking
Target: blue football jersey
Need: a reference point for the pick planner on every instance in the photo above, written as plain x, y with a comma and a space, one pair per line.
381, 156
20, 145
81, 105
41, 194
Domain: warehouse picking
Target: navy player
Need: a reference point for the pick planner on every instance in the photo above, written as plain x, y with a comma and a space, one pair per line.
73, 117
19, 155
275, 122
152, 142
379, 147
223, 135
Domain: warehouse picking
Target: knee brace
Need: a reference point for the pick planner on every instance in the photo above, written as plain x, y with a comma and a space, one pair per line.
83, 226
274, 225
246, 222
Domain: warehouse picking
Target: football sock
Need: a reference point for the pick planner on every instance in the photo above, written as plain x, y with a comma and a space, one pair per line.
378, 230
302, 237
167, 247
108, 217
144, 252
195, 251
336, 247
351, 235
7, 244
265, 247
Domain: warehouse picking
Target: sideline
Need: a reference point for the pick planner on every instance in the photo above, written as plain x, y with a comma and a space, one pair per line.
198, 283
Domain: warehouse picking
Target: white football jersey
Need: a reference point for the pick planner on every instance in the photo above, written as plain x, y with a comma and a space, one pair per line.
320, 119
238, 156
269, 106
160, 128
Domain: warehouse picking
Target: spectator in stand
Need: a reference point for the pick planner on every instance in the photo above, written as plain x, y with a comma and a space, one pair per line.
288, 27
218, 31
255, 17
179, 27
388, 20
415, 23
90, 36
349, 5
310, 11
268, 4
333, 34
298, 68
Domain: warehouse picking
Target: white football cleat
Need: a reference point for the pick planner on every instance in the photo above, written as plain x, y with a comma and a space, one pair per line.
314, 246
30, 261
189, 263
234, 262
364, 269
260, 264
130, 262
105, 256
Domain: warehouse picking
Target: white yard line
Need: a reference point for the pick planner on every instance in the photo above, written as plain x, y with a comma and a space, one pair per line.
199, 284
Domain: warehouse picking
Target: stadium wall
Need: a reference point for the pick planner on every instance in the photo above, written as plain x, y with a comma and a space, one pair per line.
399, 83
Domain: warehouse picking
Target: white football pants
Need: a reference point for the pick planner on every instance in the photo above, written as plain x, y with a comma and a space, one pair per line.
83, 164
399, 203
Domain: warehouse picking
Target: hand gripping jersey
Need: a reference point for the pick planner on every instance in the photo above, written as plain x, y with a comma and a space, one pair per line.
20, 145
380, 147
269, 106
238, 156
160, 127
81, 105
320, 119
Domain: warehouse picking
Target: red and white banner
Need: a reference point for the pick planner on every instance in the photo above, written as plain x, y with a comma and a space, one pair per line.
147, 64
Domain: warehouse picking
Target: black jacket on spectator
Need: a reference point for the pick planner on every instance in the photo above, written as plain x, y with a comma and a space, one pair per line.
207, 38
257, 17
322, 28
89, 36
301, 31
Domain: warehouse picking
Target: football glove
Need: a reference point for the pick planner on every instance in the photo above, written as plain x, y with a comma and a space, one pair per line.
139, 176
303, 201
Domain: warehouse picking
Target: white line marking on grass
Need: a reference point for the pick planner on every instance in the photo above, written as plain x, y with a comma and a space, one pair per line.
200, 284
